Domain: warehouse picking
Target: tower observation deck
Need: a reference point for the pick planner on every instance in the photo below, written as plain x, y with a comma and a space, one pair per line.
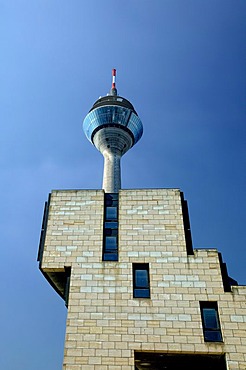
113, 127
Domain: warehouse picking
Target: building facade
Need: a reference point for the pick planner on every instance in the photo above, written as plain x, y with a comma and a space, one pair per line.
138, 295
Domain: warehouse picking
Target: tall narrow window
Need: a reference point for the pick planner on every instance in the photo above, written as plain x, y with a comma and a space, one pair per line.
43, 230
141, 287
210, 322
186, 221
67, 284
110, 237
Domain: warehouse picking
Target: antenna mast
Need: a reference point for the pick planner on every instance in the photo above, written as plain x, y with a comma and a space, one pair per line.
113, 90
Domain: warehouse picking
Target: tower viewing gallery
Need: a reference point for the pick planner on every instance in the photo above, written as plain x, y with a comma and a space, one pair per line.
138, 295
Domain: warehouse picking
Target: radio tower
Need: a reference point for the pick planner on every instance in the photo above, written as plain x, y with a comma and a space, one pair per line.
138, 295
113, 127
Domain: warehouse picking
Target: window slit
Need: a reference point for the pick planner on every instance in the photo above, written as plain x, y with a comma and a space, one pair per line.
110, 227
210, 322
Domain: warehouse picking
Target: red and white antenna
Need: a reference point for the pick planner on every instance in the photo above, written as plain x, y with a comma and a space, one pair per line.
113, 78
113, 90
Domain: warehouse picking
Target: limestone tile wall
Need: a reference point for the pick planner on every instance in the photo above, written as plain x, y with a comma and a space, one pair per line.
74, 229
104, 323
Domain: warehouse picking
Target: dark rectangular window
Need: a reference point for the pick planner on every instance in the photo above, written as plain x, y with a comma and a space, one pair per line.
141, 288
186, 221
110, 237
43, 231
111, 225
111, 199
210, 322
110, 243
67, 284
111, 213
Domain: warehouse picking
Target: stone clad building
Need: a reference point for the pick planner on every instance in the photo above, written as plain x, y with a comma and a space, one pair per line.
138, 295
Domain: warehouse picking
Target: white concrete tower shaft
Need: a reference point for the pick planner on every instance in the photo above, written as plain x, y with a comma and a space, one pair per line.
112, 142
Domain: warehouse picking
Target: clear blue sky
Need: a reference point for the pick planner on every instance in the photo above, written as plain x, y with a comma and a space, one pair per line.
182, 63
